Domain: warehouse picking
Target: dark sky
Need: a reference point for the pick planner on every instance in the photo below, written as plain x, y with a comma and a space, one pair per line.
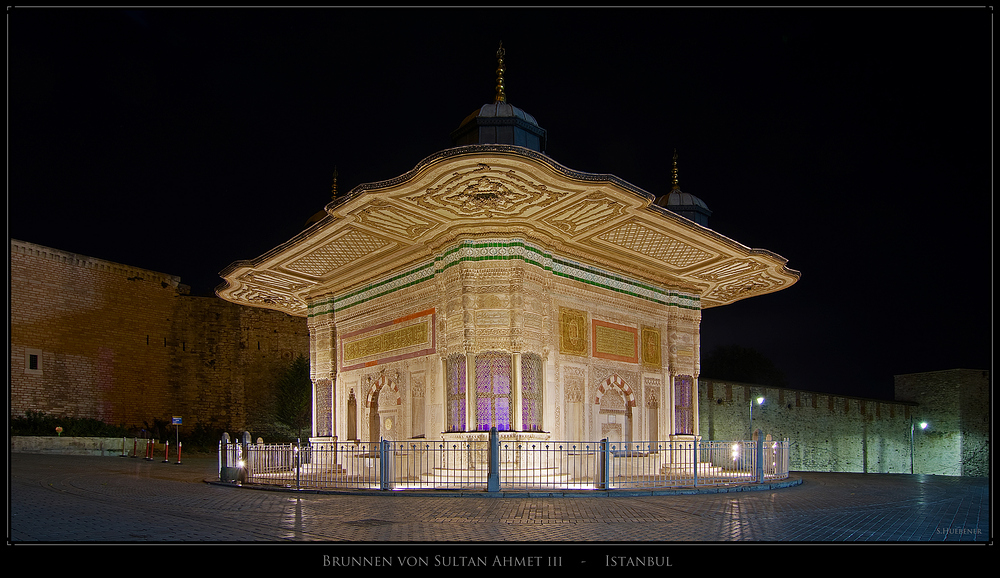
856, 143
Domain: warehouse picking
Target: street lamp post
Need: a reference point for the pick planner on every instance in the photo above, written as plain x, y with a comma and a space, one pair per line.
923, 426
760, 401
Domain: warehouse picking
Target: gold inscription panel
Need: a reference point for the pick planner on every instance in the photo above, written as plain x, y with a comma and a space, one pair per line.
572, 331
616, 342
651, 347
409, 336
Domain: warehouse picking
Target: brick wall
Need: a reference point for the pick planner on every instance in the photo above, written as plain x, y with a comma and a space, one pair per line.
92, 338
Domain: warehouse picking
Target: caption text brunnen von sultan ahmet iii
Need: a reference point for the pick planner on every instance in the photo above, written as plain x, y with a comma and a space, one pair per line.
485, 561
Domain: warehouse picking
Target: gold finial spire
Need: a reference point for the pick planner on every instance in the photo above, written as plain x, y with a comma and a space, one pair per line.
674, 186
501, 95
334, 188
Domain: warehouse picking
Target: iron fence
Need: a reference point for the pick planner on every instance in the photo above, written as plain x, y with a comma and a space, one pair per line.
493, 464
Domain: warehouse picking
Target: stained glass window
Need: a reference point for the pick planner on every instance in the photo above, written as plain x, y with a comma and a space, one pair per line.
531, 392
493, 390
456, 392
683, 404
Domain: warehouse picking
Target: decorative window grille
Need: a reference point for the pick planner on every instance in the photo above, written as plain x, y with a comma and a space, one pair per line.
493, 391
456, 392
683, 404
531, 392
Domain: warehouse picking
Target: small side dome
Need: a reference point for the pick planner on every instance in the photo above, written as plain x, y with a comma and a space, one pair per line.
679, 198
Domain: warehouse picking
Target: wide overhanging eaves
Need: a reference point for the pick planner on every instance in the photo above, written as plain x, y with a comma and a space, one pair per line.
501, 191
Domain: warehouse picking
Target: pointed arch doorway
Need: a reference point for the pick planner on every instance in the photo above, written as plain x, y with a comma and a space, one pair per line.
615, 402
382, 417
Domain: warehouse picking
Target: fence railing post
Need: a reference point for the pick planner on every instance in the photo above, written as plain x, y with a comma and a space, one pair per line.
247, 465
297, 463
493, 476
694, 461
603, 465
223, 452
385, 465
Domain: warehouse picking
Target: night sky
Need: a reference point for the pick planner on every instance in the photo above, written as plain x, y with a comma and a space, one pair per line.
856, 143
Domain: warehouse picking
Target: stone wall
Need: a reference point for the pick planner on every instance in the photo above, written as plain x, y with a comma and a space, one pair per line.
955, 406
828, 433
834, 433
76, 446
129, 346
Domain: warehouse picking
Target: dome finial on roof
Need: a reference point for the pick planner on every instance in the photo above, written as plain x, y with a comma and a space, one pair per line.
674, 184
501, 95
334, 188
500, 122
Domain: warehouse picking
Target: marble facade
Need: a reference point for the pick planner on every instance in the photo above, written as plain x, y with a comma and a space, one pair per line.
491, 286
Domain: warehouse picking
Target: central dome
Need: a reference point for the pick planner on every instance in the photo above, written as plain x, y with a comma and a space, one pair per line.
499, 122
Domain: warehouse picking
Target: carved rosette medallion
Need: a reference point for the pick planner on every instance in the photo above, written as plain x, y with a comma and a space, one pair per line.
485, 192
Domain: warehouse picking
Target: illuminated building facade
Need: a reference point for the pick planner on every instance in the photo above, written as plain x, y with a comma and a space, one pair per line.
491, 286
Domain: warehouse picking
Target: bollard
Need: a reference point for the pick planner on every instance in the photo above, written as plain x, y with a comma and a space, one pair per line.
166, 452
135, 447
124, 451
179, 445
149, 450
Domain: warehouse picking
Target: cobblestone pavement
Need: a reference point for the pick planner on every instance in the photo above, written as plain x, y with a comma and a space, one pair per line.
111, 500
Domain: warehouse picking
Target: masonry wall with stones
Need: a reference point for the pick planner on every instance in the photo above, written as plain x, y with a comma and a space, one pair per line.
96, 339
834, 433
955, 404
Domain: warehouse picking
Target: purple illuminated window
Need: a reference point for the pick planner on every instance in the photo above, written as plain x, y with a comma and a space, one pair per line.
531, 392
683, 404
456, 392
493, 389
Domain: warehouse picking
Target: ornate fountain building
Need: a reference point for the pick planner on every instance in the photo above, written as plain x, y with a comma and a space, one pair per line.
492, 286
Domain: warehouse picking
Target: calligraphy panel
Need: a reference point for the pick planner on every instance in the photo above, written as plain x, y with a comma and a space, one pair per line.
615, 342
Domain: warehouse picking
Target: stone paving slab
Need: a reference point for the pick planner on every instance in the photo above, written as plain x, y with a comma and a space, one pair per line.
128, 501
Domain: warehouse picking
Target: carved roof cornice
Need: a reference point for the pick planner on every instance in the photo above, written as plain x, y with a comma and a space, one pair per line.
383, 228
